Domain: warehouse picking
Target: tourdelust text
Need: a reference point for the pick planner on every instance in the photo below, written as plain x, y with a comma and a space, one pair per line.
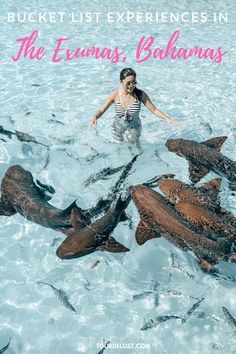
146, 49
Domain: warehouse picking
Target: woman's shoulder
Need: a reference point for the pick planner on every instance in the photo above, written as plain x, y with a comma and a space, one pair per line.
113, 94
115, 90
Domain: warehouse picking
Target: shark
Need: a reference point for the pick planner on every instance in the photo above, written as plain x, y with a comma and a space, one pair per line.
204, 157
20, 194
159, 218
200, 206
96, 236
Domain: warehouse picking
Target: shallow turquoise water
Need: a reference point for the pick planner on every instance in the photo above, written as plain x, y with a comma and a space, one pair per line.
54, 102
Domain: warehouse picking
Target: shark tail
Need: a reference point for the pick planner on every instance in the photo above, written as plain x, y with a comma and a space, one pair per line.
215, 143
196, 173
124, 174
121, 204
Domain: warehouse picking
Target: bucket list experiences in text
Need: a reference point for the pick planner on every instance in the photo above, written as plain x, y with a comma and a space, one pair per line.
117, 17
146, 48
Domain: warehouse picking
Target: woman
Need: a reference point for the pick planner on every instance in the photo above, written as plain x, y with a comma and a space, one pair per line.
127, 100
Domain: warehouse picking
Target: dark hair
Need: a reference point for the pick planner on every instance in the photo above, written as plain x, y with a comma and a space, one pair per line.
128, 72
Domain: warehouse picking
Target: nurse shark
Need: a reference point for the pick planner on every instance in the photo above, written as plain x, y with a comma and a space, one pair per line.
159, 218
19, 194
96, 236
204, 157
200, 207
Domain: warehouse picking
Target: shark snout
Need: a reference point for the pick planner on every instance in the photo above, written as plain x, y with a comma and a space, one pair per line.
60, 253
78, 244
137, 191
141, 195
169, 187
69, 253
173, 144
18, 173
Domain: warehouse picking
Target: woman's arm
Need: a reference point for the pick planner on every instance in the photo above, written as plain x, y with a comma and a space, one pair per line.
110, 99
148, 103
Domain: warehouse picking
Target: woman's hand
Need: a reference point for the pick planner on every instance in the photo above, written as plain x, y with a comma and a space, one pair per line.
92, 122
110, 99
171, 121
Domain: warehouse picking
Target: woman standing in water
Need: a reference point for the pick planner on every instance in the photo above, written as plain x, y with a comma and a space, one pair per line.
127, 100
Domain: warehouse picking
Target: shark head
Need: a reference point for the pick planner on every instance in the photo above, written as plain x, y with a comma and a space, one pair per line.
79, 242
19, 174
144, 198
170, 187
138, 194
148, 203
85, 239
174, 145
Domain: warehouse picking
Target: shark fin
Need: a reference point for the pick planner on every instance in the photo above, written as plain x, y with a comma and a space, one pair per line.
145, 233
75, 219
196, 173
111, 245
121, 204
68, 210
215, 143
212, 188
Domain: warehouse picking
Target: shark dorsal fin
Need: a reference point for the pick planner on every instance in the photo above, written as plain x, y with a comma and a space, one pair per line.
212, 188
144, 233
196, 173
215, 143
212, 184
67, 211
111, 245
75, 219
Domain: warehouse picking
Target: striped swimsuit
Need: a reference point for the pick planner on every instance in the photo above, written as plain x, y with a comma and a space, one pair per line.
127, 124
131, 114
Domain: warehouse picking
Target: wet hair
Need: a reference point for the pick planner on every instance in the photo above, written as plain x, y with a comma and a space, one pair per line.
128, 72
